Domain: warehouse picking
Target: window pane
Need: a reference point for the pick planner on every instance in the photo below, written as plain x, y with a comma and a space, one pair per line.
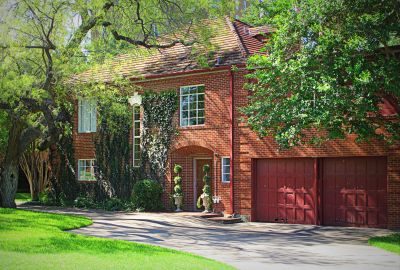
184, 90
200, 121
137, 129
184, 106
192, 121
184, 122
225, 178
193, 89
200, 89
137, 112
226, 161
193, 105
137, 148
193, 114
200, 113
185, 114
200, 97
200, 105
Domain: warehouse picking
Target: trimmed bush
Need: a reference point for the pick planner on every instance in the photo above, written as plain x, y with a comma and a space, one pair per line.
146, 195
178, 180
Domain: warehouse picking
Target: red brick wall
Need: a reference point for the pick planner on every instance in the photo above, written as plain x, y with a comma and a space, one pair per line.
248, 146
213, 140
210, 140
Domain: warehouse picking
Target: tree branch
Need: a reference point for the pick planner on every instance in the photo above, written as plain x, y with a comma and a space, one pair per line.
87, 25
150, 46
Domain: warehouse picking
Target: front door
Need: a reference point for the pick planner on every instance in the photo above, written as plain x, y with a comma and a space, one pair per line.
199, 174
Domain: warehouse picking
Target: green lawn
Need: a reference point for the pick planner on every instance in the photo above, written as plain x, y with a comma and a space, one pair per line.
32, 240
23, 197
389, 242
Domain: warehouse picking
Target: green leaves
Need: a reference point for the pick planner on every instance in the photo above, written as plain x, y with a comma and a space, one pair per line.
326, 72
158, 131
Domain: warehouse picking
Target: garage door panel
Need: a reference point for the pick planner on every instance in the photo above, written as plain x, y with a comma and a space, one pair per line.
360, 200
359, 185
290, 190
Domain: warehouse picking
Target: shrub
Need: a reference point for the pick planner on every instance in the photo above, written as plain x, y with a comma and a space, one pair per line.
178, 180
47, 197
146, 195
112, 204
85, 202
116, 204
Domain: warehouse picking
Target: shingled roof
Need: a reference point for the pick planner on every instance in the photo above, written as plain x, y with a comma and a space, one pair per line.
232, 41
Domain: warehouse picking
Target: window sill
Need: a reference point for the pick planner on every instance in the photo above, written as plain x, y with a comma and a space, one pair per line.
86, 132
225, 182
193, 127
87, 181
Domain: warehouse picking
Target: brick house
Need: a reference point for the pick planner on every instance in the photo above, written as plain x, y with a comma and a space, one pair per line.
340, 183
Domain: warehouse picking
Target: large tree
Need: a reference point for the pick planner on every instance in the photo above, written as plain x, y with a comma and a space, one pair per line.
328, 66
44, 42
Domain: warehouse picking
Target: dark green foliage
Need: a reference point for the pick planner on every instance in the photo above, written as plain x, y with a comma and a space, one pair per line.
111, 204
114, 170
177, 169
146, 195
178, 180
63, 186
329, 64
85, 202
157, 132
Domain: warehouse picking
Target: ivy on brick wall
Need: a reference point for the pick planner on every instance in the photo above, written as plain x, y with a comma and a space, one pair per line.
115, 174
63, 186
158, 130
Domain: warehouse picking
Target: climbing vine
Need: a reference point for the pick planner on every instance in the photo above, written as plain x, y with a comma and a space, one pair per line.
114, 171
157, 132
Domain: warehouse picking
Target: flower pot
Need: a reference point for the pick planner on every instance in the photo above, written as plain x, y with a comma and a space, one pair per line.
206, 203
178, 202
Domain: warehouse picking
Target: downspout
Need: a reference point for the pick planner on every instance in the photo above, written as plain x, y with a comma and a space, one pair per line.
232, 101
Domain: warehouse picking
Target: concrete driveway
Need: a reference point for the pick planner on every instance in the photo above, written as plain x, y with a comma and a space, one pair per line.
246, 245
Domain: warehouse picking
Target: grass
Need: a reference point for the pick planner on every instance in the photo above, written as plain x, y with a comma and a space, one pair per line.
33, 240
389, 242
23, 197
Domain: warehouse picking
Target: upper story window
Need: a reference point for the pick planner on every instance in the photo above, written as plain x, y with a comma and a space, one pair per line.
136, 136
192, 105
87, 115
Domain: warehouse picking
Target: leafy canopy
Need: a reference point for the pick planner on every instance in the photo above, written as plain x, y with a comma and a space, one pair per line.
329, 65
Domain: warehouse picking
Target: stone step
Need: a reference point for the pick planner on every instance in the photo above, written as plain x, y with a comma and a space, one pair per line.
225, 220
210, 215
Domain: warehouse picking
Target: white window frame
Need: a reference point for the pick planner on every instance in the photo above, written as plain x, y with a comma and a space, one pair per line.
92, 165
181, 96
87, 115
222, 169
135, 158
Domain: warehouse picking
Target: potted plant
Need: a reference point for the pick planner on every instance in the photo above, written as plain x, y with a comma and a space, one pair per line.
178, 194
205, 197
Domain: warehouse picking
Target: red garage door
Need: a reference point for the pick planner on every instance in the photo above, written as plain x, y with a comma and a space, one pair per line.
354, 191
285, 190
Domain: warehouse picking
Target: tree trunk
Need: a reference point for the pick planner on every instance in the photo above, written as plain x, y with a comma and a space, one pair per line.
35, 189
10, 167
8, 185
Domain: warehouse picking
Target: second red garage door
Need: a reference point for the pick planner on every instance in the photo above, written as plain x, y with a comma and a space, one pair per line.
354, 191
285, 190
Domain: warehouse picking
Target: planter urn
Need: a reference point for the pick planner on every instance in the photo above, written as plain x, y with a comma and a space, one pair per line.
178, 202
206, 203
